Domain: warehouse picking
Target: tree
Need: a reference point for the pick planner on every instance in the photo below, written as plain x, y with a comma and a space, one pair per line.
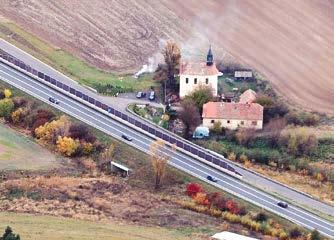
7, 93
9, 235
172, 56
67, 146
81, 131
190, 116
159, 159
6, 108
200, 96
50, 131
315, 235
106, 156
193, 189
17, 115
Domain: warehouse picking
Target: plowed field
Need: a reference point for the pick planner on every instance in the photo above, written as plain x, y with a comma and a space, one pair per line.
290, 42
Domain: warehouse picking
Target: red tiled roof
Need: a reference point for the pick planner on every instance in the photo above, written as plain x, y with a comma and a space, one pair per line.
248, 96
199, 68
242, 111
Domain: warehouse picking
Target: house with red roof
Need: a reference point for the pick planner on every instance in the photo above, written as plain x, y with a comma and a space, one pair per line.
232, 115
195, 74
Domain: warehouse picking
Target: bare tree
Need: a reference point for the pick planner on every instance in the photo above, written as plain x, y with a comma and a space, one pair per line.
190, 116
106, 156
172, 56
159, 159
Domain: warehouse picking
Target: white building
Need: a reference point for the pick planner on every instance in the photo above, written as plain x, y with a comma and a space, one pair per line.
193, 75
231, 236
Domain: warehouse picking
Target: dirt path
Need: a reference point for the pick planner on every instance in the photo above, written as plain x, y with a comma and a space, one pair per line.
290, 42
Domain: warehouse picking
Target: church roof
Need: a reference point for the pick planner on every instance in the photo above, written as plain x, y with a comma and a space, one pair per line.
199, 68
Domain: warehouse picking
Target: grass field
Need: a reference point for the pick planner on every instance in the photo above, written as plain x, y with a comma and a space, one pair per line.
56, 228
65, 62
18, 152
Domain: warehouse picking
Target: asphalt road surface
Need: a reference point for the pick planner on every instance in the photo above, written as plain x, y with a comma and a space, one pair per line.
179, 159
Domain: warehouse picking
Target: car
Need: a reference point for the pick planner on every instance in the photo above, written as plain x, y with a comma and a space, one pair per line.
53, 100
141, 94
282, 204
126, 137
152, 96
212, 179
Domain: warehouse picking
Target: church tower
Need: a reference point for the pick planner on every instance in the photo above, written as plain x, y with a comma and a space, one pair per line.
209, 58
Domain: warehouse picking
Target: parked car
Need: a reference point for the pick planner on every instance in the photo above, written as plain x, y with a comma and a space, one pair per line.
53, 100
152, 96
212, 179
126, 137
282, 204
141, 94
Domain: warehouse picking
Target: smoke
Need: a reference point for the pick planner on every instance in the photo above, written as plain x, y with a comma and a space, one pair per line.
153, 61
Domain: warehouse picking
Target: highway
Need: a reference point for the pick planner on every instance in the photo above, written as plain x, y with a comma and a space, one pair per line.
179, 159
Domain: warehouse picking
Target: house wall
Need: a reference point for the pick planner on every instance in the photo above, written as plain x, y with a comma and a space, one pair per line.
233, 124
187, 88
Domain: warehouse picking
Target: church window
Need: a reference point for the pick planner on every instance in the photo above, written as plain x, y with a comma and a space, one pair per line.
195, 80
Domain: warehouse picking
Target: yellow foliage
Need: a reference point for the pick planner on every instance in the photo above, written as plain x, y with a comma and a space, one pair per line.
67, 146
200, 198
7, 93
232, 156
165, 117
87, 148
248, 164
16, 115
243, 158
49, 132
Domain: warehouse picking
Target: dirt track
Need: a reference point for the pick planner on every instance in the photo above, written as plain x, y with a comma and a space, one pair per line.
290, 42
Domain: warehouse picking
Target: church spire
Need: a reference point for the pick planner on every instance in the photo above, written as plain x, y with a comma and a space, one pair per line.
209, 57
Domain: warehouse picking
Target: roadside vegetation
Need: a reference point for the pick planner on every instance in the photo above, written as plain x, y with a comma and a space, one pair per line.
83, 190
74, 67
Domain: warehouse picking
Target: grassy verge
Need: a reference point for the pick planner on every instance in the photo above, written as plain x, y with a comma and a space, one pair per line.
70, 65
56, 228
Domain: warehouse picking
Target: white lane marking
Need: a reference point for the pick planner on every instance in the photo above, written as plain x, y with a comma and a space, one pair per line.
70, 100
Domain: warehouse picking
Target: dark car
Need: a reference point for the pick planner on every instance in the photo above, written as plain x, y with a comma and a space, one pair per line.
152, 96
141, 94
282, 204
212, 179
53, 100
126, 137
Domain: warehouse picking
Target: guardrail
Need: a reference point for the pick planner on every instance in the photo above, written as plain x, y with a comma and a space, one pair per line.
188, 148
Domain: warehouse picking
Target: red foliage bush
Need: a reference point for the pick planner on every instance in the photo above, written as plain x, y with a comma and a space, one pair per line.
193, 189
232, 207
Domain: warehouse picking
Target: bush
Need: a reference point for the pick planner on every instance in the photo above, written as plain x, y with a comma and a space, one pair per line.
7, 93
217, 127
201, 198
9, 235
50, 132
67, 146
17, 115
315, 235
303, 118
243, 136
295, 233
232, 156
193, 189
6, 108
243, 158
298, 141
261, 217
80, 131
271, 108
2, 95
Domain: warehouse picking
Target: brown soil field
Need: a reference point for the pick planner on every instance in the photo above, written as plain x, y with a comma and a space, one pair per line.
289, 42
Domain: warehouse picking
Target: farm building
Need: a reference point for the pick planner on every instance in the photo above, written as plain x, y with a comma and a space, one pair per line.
193, 75
232, 115
239, 75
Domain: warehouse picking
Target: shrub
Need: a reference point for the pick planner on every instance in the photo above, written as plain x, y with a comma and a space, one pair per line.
315, 235
17, 115
295, 233
217, 127
261, 217
9, 235
67, 146
193, 189
6, 108
243, 136
200, 198
87, 148
7, 93
19, 101
78, 131
299, 141
213, 198
232, 206
38, 118
243, 158
2, 95
303, 118
232, 156
49, 132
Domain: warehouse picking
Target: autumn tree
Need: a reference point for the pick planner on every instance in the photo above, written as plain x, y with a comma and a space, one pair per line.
200, 96
172, 56
159, 159
190, 116
67, 146
106, 156
50, 131
6, 108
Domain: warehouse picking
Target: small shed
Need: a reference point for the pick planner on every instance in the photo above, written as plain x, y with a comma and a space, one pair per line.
201, 132
231, 236
243, 75
228, 97
119, 168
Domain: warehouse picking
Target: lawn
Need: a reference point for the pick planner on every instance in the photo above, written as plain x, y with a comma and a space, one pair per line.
57, 228
18, 152
70, 65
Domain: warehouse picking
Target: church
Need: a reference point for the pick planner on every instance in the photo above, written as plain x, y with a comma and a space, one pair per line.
195, 74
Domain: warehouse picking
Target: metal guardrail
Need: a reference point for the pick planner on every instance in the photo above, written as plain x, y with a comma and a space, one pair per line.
188, 147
